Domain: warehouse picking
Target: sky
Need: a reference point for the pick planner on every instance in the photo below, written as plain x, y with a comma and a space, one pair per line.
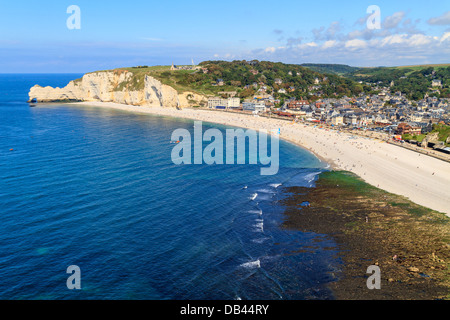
45, 37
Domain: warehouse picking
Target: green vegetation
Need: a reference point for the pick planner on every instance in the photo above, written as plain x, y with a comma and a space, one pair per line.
310, 81
418, 138
339, 69
350, 181
376, 227
246, 77
413, 81
443, 130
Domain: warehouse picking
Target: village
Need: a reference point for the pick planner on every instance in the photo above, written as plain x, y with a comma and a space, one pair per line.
391, 115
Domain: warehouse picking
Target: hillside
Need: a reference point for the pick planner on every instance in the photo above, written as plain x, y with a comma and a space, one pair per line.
413, 81
245, 79
339, 69
248, 78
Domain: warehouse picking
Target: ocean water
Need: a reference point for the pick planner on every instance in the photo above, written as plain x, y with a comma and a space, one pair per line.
97, 188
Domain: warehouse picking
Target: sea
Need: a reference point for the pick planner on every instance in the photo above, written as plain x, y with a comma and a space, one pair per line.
96, 188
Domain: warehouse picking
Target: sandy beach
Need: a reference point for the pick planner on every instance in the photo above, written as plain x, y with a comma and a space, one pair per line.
422, 179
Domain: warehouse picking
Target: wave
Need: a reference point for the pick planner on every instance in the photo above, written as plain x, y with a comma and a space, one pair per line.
252, 264
258, 212
260, 240
259, 226
311, 176
265, 191
275, 185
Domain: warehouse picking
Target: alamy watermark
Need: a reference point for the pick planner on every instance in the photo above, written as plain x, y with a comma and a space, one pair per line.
74, 20
374, 281
214, 152
374, 20
74, 281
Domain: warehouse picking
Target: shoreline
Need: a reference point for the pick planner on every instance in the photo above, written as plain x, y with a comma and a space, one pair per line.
421, 179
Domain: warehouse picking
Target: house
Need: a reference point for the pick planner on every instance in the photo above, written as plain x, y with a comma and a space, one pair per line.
337, 120
220, 82
404, 128
350, 119
284, 114
415, 117
436, 83
278, 81
297, 104
282, 90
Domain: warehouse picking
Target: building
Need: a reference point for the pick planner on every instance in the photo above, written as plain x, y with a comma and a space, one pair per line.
217, 103
337, 120
297, 104
220, 103
404, 128
436, 83
234, 103
254, 106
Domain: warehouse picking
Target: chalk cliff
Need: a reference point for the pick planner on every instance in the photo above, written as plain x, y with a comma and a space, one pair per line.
119, 86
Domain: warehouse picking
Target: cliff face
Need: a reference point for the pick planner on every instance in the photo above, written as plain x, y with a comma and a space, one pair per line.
119, 87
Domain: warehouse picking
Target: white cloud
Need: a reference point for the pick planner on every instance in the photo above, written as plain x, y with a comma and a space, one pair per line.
310, 44
393, 21
399, 42
442, 20
445, 37
393, 39
419, 40
270, 49
329, 34
329, 44
355, 44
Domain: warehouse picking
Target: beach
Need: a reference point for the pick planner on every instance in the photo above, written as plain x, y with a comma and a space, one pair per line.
422, 179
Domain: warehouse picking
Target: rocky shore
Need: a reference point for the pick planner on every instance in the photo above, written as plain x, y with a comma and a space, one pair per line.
409, 243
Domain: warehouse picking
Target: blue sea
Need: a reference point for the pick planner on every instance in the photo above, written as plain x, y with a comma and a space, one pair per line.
97, 188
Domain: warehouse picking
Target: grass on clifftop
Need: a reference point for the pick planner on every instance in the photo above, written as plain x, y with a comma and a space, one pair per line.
175, 79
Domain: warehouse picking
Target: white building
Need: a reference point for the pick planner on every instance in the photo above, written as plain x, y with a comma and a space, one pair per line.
254, 106
220, 103
436, 83
217, 103
234, 103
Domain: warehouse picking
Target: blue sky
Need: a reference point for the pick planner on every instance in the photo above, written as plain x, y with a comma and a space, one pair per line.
34, 36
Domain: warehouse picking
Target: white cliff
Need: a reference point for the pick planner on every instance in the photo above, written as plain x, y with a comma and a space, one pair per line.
119, 86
